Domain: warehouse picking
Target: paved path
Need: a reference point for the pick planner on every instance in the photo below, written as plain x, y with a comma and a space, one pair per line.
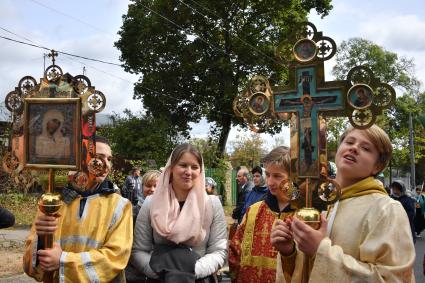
18, 237
420, 252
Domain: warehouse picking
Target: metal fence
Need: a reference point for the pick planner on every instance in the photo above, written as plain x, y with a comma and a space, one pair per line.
220, 177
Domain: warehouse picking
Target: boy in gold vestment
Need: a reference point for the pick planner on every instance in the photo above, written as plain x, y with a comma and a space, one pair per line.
92, 236
366, 236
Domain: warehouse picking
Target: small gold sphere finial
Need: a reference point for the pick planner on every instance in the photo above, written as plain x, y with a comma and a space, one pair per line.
309, 216
50, 203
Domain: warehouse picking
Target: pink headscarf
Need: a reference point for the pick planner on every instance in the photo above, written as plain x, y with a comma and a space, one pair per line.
188, 225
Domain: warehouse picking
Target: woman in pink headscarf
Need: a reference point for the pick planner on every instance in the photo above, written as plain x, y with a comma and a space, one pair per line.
180, 231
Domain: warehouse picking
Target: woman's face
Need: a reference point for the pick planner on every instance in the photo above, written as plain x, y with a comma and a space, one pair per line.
185, 172
256, 178
356, 158
149, 187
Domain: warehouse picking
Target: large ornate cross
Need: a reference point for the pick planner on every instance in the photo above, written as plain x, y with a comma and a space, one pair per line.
308, 98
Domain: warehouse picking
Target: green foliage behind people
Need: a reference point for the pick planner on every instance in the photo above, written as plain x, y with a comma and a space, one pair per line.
194, 57
247, 151
139, 137
398, 72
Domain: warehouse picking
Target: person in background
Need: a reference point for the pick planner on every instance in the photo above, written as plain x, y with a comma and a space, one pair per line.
244, 187
420, 211
210, 185
149, 182
399, 193
181, 232
252, 258
132, 189
7, 219
92, 236
365, 236
259, 190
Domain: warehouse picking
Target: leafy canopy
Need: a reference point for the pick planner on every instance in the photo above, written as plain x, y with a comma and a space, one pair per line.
194, 57
399, 72
139, 137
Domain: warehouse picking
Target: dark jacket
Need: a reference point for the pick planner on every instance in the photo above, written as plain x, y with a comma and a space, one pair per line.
7, 219
240, 201
273, 204
408, 204
255, 195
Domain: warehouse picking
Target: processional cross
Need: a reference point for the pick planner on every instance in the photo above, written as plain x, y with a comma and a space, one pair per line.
306, 100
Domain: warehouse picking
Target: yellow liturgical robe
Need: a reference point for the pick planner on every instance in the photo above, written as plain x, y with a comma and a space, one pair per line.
96, 245
369, 240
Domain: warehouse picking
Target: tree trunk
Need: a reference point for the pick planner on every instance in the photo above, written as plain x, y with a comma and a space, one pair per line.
224, 134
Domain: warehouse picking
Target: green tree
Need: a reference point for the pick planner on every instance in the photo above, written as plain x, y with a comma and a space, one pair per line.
208, 148
398, 72
139, 137
386, 65
247, 150
194, 57
399, 132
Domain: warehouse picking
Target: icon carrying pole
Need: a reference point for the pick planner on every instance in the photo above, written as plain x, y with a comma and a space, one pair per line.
49, 204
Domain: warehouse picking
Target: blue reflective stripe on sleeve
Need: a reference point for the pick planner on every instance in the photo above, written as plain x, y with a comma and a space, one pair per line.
88, 266
118, 211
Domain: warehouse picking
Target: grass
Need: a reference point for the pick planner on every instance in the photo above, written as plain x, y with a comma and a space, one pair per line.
23, 206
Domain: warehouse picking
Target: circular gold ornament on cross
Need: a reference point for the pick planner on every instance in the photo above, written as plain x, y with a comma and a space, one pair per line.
26, 85
329, 191
360, 96
97, 167
362, 119
81, 84
14, 102
259, 103
53, 72
96, 101
10, 162
305, 50
80, 181
290, 189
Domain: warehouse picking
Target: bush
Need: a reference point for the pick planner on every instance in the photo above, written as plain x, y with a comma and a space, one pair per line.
23, 206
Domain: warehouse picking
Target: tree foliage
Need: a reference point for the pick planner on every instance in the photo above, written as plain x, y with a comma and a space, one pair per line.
247, 151
194, 57
398, 129
386, 65
137, 136
398, 72
208, 148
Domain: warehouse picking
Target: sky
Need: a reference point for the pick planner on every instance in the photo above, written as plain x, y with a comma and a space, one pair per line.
89, 28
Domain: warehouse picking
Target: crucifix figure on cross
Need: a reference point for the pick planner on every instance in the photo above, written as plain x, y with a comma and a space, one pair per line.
306, 101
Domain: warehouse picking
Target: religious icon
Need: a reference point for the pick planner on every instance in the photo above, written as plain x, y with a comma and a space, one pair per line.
259, 103
360, 96
305, 50
52, 137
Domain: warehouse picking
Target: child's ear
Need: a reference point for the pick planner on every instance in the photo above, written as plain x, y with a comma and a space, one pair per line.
378, 168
